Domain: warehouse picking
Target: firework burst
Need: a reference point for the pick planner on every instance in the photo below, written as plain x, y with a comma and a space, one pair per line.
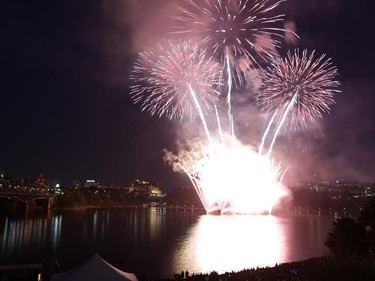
243, 30
298, 88
176, 80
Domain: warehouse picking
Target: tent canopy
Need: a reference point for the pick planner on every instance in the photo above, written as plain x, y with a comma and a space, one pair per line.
95, 269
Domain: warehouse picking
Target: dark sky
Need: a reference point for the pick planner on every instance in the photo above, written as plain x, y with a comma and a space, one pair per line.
66, 108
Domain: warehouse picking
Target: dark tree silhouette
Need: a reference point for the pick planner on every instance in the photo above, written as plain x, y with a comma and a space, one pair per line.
354, 238
347, 239
367, 219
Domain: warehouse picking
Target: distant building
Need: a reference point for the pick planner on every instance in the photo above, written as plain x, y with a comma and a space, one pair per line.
90, 183
146, 188
323, 185
341, 187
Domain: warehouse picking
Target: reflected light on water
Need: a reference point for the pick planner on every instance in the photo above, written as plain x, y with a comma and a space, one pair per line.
28, 234
230, 243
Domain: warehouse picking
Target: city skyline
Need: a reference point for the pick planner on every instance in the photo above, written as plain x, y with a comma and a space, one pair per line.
67, 109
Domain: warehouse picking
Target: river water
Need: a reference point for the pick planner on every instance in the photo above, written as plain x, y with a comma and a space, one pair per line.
159, 241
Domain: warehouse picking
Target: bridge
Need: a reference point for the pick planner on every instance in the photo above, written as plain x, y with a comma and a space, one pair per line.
25, 193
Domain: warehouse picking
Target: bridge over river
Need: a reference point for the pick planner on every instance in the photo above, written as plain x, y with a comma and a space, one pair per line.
26, 194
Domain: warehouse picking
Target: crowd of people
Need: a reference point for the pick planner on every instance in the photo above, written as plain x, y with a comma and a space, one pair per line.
315, 269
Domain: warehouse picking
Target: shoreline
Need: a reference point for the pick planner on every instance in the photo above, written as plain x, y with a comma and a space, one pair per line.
128, 207
337, 212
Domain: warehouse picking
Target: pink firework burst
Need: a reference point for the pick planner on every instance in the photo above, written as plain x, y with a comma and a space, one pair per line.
243, 30
303, 85
175, 80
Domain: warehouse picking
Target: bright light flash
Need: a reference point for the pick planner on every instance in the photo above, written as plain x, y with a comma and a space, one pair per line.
234, 179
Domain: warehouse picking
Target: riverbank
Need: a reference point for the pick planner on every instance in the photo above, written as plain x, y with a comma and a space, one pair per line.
336, 212
141, 206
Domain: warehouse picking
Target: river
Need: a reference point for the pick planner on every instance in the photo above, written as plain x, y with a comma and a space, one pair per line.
159, 241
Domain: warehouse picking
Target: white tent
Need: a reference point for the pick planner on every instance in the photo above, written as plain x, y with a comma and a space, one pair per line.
95, 269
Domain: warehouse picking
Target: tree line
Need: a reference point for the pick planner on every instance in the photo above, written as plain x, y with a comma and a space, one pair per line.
354, 238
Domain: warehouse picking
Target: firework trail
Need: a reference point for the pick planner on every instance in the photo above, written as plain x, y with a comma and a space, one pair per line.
283, 118
176, 80
266, 132
229, 98
219, 125
303, 87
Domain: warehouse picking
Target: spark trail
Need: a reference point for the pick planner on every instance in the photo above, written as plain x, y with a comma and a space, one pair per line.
270, 123
229, 96
281, 123
199, 109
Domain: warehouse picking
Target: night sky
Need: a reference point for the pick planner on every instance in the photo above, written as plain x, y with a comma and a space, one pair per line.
66, 108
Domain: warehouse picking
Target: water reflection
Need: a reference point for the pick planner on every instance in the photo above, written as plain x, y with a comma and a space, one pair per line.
156, 222
160, 241
226, 243
55, 232
27, 234
144, 223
